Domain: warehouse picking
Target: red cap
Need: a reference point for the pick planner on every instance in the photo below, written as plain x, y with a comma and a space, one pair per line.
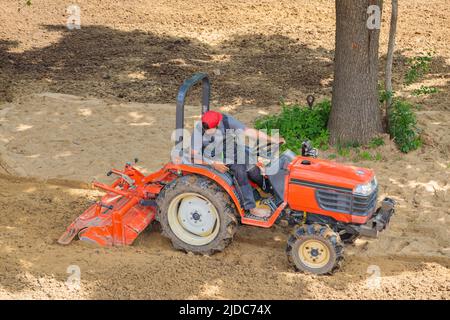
211, 118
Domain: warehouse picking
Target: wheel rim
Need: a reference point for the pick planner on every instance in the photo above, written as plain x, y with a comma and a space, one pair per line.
193, 219
314, 253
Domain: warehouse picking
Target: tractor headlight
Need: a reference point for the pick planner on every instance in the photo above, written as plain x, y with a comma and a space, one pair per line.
366, 188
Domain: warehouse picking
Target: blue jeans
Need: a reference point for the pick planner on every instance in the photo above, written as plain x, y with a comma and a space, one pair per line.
242, 178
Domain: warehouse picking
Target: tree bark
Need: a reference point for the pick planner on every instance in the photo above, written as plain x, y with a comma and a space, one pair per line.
355, 113
390, 58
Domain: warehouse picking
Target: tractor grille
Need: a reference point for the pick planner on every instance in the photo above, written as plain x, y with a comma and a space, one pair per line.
346, 202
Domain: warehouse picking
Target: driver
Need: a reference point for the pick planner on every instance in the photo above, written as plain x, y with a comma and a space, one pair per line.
214, 129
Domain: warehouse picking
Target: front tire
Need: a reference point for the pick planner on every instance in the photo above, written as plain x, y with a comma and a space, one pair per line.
315, 249
196, 215
349, 238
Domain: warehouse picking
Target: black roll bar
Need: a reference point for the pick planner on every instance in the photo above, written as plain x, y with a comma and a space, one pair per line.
181, 97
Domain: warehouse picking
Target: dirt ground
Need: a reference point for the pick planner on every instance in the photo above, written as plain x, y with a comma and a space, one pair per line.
75, 103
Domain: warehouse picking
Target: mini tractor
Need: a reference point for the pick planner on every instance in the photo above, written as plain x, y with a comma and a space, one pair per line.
199, 209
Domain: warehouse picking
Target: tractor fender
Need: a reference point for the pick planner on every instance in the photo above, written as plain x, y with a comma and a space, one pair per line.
223, 180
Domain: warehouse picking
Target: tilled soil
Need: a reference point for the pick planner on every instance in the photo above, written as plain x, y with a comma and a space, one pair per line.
253, 266
141, 50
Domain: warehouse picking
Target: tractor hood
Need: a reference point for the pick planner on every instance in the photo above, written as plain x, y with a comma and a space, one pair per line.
329, 173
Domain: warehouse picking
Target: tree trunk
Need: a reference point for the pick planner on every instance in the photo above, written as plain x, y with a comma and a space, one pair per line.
389, 60
355, 113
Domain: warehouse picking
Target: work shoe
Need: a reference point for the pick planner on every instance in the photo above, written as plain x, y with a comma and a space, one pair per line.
260, 212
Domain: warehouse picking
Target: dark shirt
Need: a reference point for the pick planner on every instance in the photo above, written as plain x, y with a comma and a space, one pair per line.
212, 145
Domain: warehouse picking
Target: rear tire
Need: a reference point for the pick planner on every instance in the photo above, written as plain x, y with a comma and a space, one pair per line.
315, 249
217, 222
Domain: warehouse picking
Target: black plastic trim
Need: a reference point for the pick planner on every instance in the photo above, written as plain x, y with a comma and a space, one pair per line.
319, 185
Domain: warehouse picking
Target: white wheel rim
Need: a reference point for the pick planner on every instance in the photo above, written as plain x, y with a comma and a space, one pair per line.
193, 219
314, 253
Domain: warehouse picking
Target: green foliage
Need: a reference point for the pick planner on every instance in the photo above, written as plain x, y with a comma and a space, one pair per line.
376, 142
298, 123
385, 95
418, 66
343, 151
425, 90
365, 155
402, 126
378, 156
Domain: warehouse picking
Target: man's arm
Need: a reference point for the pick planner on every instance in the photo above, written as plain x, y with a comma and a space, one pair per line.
262, 136
197, 154
255, 135
252, 133
218, 165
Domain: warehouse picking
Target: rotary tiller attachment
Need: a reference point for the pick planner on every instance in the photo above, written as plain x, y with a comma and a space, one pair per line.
119, 217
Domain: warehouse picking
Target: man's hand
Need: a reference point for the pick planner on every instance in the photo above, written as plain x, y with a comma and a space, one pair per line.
219, 166
281, 140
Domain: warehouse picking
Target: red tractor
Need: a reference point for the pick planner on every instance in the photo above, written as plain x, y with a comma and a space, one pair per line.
199, 209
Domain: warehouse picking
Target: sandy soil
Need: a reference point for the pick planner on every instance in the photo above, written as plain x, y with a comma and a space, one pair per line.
73, 104
254, 266
51, 135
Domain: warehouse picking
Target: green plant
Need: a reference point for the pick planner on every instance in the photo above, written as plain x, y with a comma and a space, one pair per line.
376, 142
378, 157
425, 90
385, 95
418, 66
365, 155
402, 126
298, 123
343, 151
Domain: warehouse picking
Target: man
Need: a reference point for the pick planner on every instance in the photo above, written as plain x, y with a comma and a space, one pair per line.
214, 130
